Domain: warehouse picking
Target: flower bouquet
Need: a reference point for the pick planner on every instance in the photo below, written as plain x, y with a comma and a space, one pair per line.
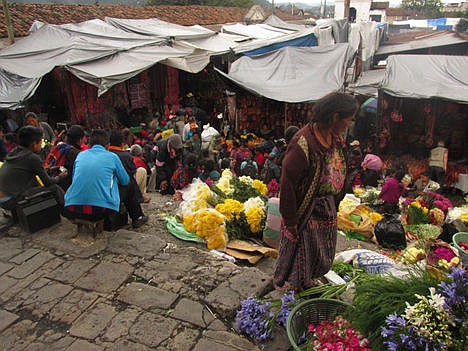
434, 322
417, 211
442, 256
233, 207
335, 336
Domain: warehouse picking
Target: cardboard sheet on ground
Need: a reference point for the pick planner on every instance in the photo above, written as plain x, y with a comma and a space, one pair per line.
243, 250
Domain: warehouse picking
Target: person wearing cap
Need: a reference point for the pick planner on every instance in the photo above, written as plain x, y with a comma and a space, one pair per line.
142, 170
168, 151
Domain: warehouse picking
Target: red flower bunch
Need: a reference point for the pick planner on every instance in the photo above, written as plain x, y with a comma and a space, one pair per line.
336, 336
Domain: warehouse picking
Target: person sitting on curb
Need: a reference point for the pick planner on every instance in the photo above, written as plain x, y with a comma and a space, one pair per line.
130, 195
142, 170
22, 173
97, 173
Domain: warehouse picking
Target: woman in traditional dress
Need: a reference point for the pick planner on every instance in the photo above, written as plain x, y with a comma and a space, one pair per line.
313, 174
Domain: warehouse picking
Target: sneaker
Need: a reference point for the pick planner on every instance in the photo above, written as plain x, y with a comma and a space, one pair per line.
137, 223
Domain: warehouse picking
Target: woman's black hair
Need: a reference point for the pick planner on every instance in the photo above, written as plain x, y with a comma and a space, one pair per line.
343, 104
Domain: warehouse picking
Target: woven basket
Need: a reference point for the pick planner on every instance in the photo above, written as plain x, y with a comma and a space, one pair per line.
313, 311
458, 238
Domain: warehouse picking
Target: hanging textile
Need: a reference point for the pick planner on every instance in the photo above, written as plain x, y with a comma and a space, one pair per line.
172, 88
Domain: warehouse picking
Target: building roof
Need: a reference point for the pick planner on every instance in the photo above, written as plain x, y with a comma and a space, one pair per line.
379, 5
398, 11
23, 15
439, 38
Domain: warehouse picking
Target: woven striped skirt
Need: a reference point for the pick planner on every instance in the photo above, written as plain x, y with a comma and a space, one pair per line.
311, 254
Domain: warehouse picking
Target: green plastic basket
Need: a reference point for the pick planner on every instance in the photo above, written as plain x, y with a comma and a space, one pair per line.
458, 238
313, 311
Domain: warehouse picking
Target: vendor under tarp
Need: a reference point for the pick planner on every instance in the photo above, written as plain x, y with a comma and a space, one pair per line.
292, 74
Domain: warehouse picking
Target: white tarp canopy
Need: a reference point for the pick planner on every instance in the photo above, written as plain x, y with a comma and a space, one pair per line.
256, 31
275, 21
292, 74
427, 76
156, 27
94, 51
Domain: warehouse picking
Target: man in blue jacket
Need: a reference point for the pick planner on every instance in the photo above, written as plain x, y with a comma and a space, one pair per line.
97, 173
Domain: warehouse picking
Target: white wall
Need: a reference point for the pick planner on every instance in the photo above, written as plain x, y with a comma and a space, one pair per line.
362, 9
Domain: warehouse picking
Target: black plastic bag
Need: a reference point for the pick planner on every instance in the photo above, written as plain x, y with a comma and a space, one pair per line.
390, 233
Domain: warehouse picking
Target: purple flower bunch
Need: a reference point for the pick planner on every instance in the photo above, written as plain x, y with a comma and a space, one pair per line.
400, 336
255, 319
439, 322
455, 292
287, 303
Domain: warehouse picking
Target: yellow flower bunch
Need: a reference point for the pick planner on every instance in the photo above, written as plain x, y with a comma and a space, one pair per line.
375, 217
438, 215
230, 208
412, 255
260, 186
454, 262
207, 224
227, 174
224, 184
464, 217
216, 241
189, 223
246, 180
416, 204
359, 191
254, 217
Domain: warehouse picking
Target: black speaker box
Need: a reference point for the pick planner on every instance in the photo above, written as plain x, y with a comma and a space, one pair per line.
38, 211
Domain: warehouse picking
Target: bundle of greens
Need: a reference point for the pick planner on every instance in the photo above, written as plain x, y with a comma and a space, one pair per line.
381, 295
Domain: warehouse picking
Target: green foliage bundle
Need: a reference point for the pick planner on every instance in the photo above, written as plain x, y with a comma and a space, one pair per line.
381, 295
243, 191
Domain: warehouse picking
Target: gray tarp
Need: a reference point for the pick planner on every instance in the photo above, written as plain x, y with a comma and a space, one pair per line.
369, 82
427, 76
93, 50
275, 21
156, 27
257, 31
292, 74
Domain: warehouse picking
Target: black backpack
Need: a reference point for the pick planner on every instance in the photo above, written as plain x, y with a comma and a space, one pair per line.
249, 170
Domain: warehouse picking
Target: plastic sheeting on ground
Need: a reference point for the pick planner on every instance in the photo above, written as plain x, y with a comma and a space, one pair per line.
292, 74
427, 76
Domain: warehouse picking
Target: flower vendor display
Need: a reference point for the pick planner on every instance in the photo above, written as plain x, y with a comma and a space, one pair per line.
379, 296
438, 321
422, 231
357, 221
257, 317
235, 207
368, 195
428, 207
335, 336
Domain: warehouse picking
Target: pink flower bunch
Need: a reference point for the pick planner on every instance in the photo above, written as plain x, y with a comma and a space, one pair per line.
440, 253
436, 200
336, 336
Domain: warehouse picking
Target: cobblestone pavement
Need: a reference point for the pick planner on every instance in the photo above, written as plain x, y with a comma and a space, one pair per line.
125, 290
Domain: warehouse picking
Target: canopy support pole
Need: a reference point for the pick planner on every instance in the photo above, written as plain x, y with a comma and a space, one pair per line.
9, 27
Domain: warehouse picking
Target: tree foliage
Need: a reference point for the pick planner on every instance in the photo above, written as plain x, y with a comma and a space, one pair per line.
462, 26
233, 3
426, 8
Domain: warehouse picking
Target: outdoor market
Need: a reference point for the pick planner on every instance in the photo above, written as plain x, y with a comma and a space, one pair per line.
266, 144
